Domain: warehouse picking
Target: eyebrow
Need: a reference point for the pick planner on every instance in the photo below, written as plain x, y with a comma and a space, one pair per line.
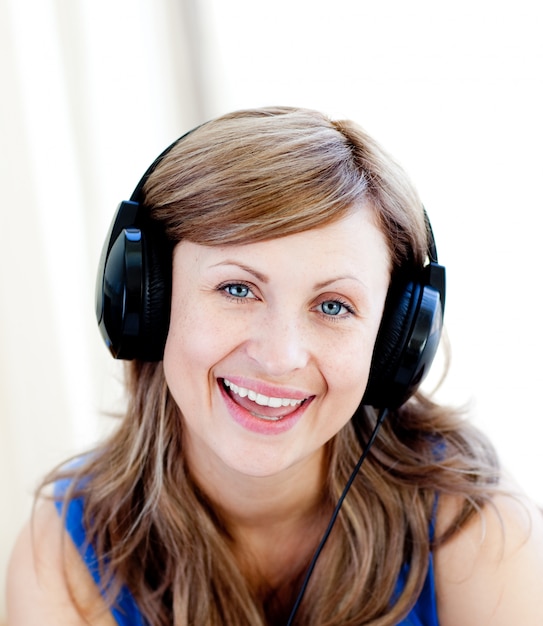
335, 279
263, 278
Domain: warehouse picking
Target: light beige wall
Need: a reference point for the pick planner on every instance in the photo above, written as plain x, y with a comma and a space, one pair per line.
91, 93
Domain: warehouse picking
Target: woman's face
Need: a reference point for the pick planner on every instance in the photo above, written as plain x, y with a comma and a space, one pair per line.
270, 343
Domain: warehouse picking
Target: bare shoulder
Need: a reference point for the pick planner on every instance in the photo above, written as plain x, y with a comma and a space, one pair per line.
491, 572
42, 562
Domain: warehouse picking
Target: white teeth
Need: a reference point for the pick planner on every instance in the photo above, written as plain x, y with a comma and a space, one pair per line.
260, 398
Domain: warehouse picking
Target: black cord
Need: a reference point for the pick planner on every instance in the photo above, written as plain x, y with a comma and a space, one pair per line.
380, 420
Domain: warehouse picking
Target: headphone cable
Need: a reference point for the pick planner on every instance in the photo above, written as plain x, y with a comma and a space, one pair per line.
381, 418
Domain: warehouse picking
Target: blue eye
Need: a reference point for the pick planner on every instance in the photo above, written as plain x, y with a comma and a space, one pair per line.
334, 308
238, 290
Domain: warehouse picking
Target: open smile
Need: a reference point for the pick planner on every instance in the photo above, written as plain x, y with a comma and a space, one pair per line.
247, 405
260, 398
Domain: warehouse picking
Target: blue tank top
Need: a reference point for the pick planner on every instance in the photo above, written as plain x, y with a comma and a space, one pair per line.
126, 612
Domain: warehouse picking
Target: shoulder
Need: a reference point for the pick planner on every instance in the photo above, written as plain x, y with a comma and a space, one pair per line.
491, 571
47, 578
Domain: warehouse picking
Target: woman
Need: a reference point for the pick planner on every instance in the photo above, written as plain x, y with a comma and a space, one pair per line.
275, 247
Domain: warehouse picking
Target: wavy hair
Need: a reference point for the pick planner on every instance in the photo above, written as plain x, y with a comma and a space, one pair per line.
245, 177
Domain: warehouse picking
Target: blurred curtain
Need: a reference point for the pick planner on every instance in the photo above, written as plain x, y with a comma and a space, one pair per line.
92, 90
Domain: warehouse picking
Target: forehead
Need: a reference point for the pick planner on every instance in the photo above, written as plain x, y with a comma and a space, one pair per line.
353, 244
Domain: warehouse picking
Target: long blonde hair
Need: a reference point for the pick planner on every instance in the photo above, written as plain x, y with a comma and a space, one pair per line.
245, 177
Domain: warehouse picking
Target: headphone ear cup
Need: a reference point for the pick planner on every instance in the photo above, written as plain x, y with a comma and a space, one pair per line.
118, 291
156, 297
408, 338
133, 287
399, 311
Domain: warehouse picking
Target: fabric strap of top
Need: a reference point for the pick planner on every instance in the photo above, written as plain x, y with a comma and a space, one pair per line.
125, 610
424, 613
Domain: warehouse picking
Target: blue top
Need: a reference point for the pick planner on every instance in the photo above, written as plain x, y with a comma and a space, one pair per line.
126, 612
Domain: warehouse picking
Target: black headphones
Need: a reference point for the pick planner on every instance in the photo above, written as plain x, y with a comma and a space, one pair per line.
133, 297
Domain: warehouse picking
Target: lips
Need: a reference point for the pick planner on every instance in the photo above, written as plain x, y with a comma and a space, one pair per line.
241, 393
260, 412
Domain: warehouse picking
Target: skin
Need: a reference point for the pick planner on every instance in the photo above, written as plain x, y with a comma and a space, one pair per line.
491, 573
292, 318
275, 336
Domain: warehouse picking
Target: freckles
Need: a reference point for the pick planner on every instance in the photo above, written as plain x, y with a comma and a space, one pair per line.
200, 342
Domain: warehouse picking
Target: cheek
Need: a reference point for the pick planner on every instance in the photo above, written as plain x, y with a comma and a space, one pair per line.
351, 378
187, 359
346, 376
348, 372
194, 345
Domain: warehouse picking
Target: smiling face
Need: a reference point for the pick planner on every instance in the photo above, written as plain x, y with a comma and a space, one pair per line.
270, 343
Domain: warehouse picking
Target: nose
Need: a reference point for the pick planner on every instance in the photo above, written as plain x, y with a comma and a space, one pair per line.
278, 343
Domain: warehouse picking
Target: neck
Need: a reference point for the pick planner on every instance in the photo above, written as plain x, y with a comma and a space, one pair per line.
261, 502
260, 513
274, 523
